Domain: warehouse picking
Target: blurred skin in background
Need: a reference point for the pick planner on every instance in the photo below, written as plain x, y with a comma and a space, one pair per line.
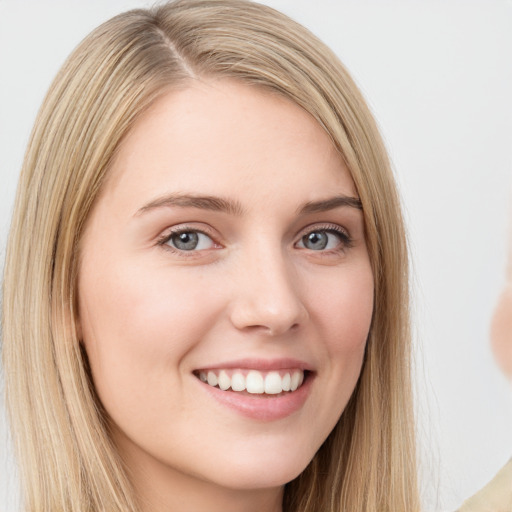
501, 327
497, 495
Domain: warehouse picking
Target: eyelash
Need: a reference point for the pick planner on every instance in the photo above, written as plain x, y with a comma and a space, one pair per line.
346, 241
163, 240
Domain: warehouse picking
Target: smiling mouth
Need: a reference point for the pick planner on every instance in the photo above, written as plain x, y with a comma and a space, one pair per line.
254, 382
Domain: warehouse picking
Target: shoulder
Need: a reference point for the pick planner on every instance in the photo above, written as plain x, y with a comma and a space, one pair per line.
496, 496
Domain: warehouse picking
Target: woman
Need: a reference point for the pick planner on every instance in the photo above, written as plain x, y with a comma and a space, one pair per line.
214, 312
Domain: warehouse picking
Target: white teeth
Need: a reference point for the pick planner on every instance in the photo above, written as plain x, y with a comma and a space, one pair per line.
287, 380
224, 381
295, 381
273, 383
238, 382
212, 379
255, 382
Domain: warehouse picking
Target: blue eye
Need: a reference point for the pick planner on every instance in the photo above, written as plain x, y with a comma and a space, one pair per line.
323, 240
189, 240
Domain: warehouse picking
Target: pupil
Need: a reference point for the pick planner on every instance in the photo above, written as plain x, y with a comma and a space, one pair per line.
316, 241
186, 241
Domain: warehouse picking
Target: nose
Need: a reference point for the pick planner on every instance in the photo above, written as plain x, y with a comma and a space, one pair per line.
266, 295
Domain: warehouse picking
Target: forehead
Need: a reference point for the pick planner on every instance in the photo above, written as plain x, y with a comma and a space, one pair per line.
220, 134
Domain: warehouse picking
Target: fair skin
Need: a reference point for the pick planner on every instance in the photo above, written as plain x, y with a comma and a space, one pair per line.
501, 326
228, 239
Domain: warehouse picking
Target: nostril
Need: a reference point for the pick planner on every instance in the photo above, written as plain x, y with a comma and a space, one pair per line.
267, 297
271, 330
267, 318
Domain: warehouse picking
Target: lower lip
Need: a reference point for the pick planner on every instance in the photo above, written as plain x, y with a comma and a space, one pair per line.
262, 407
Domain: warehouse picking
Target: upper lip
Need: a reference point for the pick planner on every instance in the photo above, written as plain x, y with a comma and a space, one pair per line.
260, 364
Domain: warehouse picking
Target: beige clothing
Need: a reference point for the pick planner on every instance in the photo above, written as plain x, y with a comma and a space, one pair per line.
496, 496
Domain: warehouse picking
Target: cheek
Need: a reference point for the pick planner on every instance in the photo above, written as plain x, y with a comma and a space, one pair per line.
137, 323
501, 331
345, 309
135, 302
341, 309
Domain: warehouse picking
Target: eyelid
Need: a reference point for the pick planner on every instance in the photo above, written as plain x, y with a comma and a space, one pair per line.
184, 228
346, 240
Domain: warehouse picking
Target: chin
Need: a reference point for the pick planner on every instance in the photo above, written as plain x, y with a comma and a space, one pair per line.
258, 469
270, 475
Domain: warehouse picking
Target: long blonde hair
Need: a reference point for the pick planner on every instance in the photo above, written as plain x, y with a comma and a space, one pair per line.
67, 461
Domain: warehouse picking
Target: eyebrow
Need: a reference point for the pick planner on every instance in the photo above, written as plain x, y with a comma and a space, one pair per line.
330, 204
220, 204
217, 204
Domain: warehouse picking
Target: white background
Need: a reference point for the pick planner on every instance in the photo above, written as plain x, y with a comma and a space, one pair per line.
438, 76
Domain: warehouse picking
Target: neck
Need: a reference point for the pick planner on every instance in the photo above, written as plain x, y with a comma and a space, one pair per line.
172, 491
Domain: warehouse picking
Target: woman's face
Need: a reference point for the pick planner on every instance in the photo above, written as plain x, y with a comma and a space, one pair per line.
227, 245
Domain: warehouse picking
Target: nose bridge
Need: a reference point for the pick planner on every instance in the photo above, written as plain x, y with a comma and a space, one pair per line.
266, 295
